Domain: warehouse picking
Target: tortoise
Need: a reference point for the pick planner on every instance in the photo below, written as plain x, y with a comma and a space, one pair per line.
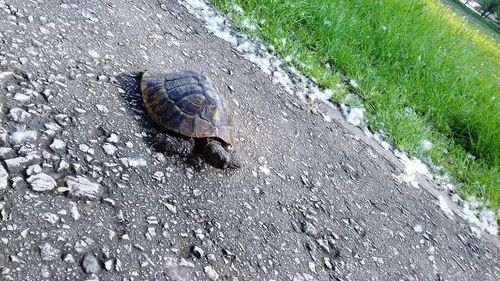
192, 115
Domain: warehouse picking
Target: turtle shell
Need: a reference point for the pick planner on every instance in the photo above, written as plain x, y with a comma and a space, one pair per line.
187, 103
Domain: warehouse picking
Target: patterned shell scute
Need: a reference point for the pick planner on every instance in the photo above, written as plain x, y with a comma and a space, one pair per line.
187, 103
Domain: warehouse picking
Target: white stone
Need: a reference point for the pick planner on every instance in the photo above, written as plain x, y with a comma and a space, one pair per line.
52, 126
418, 228
118, 265
83, 147
211, 273
113, 138
63, 166
74, 211
33, 169
21, 136
16, 164
94, 54
44, 30
7, 153
108, 265
4, 176
58, 145
171, 207
265, 170
80, 186
50, 217
21, 97
19, 115
102, 108
109, 148
41, 182
68, 258
3, 135
7, 74
48, 252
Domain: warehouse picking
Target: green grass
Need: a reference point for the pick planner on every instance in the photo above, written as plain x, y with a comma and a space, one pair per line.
423, 74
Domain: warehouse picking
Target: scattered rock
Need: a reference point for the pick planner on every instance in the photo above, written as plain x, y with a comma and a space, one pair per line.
159, 176
48, 252
118, 265
74, 211
93, 54
171, 207
17, 164
418, 228
21, 97
58, 145
152, 220
83, 245
41, 182
113, 138
312, 266
4, 176
90, 264
68, 258
21, 136
211, 273
265, 170
7, 153
52, 126
6, 75
197, 252
309, 229
33, 169
102, 108
80, 186
3, 136
108, 265
62, 119
19, 115
328, 263
85, 148
109, 148
63, 166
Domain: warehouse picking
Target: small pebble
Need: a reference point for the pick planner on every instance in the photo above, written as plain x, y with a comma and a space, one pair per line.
48, 252
197, 252
41, 182
211, 273
90, 264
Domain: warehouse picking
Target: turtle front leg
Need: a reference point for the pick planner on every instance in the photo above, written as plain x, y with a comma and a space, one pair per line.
170, 145
216, 155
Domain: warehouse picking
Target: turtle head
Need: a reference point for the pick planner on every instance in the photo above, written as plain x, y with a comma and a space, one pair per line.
218, 156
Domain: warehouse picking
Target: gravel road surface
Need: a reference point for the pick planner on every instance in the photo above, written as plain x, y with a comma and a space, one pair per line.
84, 196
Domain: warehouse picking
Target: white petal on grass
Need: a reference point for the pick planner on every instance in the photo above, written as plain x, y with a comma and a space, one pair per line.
354, 115
445, 207
426, 145
412, 167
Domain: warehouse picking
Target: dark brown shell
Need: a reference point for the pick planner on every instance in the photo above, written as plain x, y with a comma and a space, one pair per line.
187, 103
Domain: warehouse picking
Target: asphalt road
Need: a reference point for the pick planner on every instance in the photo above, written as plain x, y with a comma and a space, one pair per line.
83, 195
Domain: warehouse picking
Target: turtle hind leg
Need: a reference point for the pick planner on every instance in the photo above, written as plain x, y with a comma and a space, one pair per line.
216, 155
170, 145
